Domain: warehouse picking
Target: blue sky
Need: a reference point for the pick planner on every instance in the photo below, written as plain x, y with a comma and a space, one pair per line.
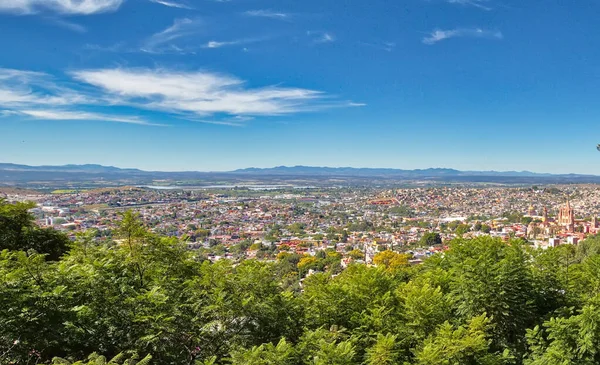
217, 85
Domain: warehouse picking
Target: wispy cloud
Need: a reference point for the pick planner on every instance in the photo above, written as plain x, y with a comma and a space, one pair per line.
82, 7
161, 42
22, 88
171, 4
220, 122
200, 96
70, 25
117, 47
265, 13
440, 35
237, 121
217, 44
6, 113
201, 93
38, 95
326, 38
242, 118
77, 115
481, 4
384, 46
321, 37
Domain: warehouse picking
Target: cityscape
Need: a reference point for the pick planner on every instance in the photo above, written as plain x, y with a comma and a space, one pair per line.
241, 222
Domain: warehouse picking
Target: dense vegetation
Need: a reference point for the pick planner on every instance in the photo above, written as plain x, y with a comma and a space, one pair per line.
146, 298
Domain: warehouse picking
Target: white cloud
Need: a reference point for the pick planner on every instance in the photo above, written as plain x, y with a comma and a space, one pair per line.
481, 4
171, 4
82, 7
384, 46
216, 44
37, 95
327, 37
77, 115
70, 25
199, 96
242, 118
201, 93
440, 35
321, 37
160, 42
8, 73
16, 6
19, 88
6, 113
267, 14
236, 121
220, 122
219, 44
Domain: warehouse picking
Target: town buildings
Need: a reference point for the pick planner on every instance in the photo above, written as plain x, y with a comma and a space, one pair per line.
226, 222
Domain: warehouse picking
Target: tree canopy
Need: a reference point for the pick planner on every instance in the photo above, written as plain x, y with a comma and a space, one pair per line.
18, 231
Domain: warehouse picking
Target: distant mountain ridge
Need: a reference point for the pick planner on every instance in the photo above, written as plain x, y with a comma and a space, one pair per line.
367, 171
90, 168
283, 170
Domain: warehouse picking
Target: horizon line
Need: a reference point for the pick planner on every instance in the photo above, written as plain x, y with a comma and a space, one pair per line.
299, 166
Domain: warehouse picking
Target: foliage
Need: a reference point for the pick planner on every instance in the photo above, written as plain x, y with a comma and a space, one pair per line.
571, 339
95, 359
492, 277
402, 211
461, 229
363, 226
391, 260
464, 345
430, 239
265, 354
384, 351
356, 254
18, 232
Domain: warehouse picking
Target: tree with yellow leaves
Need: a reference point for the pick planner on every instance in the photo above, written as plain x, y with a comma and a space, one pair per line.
391, 260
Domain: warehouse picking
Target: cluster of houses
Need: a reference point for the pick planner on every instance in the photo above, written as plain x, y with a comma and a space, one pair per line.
345, 219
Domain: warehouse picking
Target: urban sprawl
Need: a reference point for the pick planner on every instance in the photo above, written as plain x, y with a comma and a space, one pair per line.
235, 223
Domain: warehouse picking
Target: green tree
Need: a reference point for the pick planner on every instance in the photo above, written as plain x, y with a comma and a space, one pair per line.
335, 354
573, 339
95, 359
384, 351
424, 307
430, 239
459, 346
19, 232
265, 354
356, 254
461, 229
492, 277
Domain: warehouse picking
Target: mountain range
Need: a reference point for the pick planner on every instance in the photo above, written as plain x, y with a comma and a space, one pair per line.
280, 170
353, 171
15, 174
87, 168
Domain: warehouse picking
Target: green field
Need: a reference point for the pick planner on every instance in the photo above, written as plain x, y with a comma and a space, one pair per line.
65, 191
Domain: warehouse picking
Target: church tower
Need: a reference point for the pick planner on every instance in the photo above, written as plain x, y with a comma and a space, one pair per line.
545, 217
566, 217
